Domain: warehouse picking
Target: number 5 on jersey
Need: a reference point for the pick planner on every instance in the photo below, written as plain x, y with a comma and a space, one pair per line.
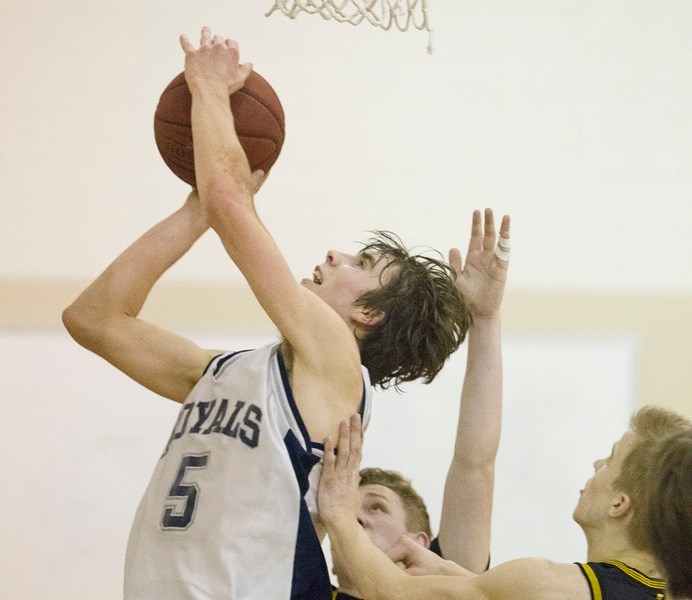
182, 498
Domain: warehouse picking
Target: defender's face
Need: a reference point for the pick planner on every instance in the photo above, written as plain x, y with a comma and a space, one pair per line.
382, 515
599, 491
343, 278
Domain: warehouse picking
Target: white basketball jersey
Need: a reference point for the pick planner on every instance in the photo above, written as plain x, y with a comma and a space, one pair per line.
225, 514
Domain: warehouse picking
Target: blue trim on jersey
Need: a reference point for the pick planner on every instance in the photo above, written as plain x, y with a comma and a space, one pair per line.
310, 571
209, 364
291, 400
224, 360
336, 595
289, 392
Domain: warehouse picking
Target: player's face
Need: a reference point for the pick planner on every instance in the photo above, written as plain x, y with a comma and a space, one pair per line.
599, 491
343, 278
382, 515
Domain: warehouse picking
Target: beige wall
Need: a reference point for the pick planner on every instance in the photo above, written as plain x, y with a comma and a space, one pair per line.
660, 324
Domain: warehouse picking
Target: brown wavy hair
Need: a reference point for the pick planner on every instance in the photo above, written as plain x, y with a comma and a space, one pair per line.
425, 317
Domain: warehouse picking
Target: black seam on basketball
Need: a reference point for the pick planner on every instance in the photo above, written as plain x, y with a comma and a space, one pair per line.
270, 91
241, 137
265, 107
255, 99
278, 143
279, 120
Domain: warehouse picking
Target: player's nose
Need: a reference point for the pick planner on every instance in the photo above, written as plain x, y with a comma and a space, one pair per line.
334, 257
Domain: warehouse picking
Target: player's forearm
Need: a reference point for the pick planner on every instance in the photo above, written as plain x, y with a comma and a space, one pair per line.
480, 414
465, 523
378, 578
365, 566
124, 286
221, 168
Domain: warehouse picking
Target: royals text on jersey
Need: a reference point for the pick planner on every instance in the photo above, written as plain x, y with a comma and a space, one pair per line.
236, 419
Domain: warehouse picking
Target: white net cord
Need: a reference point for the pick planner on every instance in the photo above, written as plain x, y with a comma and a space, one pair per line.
402, 14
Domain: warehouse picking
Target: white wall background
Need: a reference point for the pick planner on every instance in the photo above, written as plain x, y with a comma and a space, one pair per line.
573, 116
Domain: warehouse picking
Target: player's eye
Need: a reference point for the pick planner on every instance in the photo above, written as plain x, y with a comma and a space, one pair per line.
363, 260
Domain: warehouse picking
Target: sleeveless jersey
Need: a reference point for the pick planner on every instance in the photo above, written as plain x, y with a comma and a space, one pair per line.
614, 580
225, 514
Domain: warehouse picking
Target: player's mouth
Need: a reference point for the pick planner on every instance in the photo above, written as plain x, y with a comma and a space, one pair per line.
317, 276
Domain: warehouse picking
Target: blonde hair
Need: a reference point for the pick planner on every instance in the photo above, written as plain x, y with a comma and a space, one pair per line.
417, 518
637, 478
669, 512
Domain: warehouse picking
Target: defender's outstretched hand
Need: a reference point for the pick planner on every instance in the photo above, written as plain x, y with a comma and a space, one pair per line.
481, 279
215, 63
338, 490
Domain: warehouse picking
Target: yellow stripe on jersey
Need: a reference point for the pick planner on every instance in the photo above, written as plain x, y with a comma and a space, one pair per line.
656, 584
593, 582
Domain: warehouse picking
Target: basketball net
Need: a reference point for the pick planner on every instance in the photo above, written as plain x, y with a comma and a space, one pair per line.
403, 14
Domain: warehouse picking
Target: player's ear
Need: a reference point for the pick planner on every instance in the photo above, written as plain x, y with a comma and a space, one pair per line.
364, 320
620, 505
367, 318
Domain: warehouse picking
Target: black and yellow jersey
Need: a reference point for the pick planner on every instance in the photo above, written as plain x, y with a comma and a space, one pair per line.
614, 580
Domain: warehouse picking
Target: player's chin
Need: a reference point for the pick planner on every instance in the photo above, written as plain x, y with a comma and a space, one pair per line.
309, 284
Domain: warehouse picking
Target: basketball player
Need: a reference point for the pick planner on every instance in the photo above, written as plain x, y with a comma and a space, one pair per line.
670, 513
612, 512
390, 506
227, 511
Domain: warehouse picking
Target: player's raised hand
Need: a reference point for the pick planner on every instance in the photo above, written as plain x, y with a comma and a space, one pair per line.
481, 279
215, 64
338, 495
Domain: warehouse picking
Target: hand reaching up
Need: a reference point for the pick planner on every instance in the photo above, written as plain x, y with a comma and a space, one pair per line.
481, 279
338, 494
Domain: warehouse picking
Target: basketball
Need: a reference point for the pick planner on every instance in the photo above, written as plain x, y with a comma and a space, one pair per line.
259, 123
